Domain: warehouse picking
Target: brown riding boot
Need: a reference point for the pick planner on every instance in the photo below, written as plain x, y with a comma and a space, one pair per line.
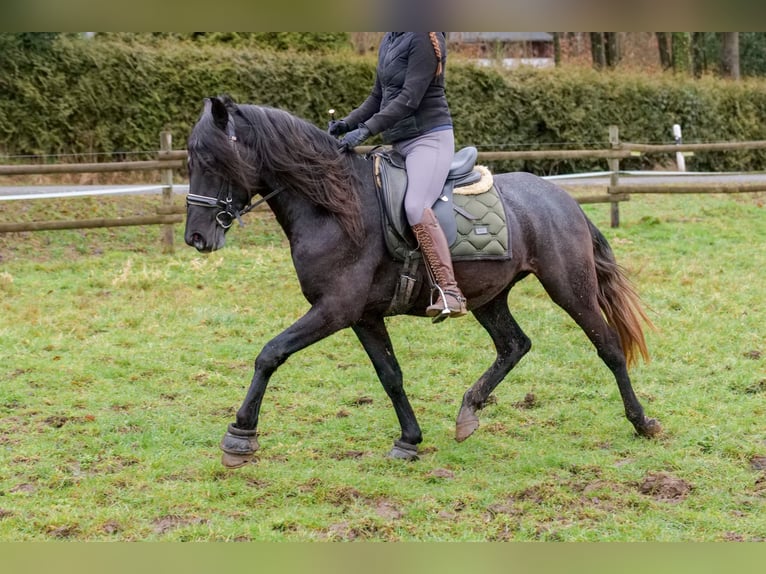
436, 254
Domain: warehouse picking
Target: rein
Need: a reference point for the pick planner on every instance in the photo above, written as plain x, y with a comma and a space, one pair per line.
228, 213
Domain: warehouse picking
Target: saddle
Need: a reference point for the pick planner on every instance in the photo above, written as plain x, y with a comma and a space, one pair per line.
469, 209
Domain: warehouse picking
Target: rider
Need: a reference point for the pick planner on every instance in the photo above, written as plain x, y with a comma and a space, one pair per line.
408, 107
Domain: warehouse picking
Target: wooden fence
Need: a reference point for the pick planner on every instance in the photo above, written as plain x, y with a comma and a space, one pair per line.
169, 160
166, 214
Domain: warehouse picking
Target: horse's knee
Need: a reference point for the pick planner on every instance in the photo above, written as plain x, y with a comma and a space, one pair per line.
269, 359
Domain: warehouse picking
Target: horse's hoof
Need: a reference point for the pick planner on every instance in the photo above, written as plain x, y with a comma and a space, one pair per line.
650, 428
238, 447
467, 423
236, 460
403, 451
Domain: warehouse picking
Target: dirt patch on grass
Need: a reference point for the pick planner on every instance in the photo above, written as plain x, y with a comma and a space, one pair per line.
584, 496
111, 527
756, 388
363, 400
760, 485
664, 487
388, 510
529, 402
63, 532
365, 529
343, 495
168, 523
353, 454
24, 488
441, 473
380, 514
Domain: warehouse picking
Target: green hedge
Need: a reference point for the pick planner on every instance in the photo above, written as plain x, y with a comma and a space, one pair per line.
88, 97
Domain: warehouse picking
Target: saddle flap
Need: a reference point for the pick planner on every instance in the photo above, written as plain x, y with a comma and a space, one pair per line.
391, 180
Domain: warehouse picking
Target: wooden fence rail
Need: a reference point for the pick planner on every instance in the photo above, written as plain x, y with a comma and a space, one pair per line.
169, 160
105, 167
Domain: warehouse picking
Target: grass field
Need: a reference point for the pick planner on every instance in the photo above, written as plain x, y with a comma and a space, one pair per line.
120, 368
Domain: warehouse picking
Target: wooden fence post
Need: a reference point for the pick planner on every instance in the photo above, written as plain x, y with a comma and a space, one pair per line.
166, 145
614, 178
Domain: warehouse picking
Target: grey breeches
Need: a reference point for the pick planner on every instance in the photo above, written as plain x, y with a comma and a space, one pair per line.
428, 158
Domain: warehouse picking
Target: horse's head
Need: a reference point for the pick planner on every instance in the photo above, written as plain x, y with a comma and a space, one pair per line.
214, 200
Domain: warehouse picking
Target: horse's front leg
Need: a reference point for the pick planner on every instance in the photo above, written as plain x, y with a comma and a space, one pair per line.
373, 335
240, 443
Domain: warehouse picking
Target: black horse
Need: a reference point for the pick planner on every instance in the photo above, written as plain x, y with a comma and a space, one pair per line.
326, 203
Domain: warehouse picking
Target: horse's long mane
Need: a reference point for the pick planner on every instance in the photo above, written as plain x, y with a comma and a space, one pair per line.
278, 148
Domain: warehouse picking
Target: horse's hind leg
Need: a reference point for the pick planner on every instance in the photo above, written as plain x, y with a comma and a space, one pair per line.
581, 304
511, 344
373, 335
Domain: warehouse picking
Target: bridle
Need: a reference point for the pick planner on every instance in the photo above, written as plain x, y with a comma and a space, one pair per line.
227, 213
224, 201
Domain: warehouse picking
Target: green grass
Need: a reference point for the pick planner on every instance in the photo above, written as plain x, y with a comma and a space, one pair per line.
120, 368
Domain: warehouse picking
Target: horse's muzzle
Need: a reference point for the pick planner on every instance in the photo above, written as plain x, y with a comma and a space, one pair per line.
203, 245
198, 242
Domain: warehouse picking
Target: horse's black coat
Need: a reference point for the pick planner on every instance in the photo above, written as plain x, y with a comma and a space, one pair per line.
327, 206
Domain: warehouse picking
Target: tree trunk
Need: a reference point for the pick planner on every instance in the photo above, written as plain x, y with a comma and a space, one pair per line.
680, 45
699, 60
612, 49
597, 50
730, 55
664, 46
557, 48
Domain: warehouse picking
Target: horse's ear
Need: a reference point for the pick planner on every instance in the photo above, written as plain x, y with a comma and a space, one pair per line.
220, 113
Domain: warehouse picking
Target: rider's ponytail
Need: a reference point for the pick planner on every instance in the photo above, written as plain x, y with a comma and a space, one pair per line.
438, 51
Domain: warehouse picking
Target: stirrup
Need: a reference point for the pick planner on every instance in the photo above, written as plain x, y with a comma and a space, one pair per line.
445, 312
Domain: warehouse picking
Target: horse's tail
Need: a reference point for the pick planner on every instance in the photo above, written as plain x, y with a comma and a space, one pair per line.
619, 300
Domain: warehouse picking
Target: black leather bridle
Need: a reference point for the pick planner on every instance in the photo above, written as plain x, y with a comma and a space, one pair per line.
224, 201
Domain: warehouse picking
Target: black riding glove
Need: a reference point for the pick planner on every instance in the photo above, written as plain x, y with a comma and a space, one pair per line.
354, 138
337, 127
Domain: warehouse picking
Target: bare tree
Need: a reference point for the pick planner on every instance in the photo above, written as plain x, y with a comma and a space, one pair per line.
557, 48
680, 46
730, 55
663, 43
699, 59
611, 49
597, 50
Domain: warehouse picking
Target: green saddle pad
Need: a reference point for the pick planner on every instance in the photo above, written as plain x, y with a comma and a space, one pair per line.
482, 231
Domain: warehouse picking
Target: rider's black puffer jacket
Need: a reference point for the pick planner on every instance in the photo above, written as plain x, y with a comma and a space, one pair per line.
408, 97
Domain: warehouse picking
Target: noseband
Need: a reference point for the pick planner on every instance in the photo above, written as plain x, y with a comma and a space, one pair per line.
224, 202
